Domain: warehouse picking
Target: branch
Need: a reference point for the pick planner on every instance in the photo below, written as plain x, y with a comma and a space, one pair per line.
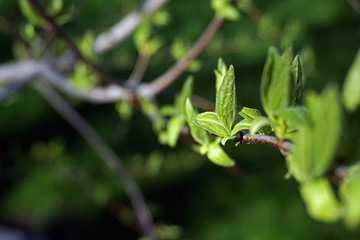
17, 72
105, 152
125, 27
284, 146
355, 5
139, 69
59, 32
163, 81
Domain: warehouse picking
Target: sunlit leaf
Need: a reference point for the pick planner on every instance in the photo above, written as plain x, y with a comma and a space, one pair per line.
220, 73
351, 88
350, 196
217, 155
249, 113
198, 133
29, 12
320, 200
210, 122
226, 100
173, 129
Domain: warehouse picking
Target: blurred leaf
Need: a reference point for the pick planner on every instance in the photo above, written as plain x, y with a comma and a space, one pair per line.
269, 29
173, 129
316, 141
179, 48
86, 45
225, 9
267, 76
320, 200
307, 56
293, 116
210, 122
30, 13
55, 7
161, 18
249, 113
217, 155
83, 77
351, 88
278, 91
350, 196
124, 109
226, 100
186, 92
198, 133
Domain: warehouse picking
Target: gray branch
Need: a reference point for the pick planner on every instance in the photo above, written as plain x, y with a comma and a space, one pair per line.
125, 27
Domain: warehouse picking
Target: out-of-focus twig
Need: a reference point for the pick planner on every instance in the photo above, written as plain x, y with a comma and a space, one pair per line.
51, 25
355, 4
138, 71
105, 152
125, 27
18, 71
163, 81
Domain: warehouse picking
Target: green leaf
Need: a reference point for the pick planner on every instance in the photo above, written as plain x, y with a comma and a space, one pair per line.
293, 116
320, 200
31, 15
210, 122
217, 155
351, 88
225, 139
242, 125
271, 61
297, 81
226, 100
173, 129
350, 196
198, 133
223, 8
83, 77
55, 7
316, 141
278, 91
186, 92
86, 45
258, 123
249, 113
220, 73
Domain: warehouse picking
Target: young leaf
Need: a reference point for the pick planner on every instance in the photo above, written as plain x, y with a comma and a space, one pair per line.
316, 141
278, 91
297, 81
220, 73
271, 61
210, 122
173, 129
350, 196
198, 133
320, 200
186, 92
217, 155
351, 88
31, 15
242, 125
226, 100
293, 116
257, 124
249, 113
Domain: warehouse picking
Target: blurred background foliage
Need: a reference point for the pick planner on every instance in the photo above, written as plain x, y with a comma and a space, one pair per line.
55, 186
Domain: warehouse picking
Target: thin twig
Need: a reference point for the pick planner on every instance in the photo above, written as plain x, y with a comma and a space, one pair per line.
105, 152
125, 27
59, 32
284, 146
139, 69
163, 81
18, 71
355, 5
